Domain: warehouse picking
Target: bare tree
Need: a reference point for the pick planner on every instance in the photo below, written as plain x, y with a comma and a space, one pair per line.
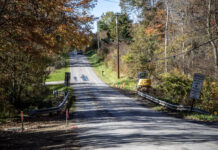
211, 36
166, 35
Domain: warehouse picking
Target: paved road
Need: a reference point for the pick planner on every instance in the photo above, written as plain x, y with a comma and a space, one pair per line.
107, 119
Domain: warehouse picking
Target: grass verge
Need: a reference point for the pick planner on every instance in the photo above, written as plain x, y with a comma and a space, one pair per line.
108, 75
186, 115
59, 74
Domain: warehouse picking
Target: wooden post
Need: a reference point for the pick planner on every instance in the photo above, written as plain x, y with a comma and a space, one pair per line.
98, 36
193, 102
118, 49
67, 116
21, 115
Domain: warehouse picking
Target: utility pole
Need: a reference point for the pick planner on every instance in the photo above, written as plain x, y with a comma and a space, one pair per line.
98, 35
118, 49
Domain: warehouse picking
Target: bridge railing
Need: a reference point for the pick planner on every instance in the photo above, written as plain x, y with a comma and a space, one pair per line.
50, 110
170, 106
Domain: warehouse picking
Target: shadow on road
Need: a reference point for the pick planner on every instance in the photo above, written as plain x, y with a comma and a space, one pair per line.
118, 121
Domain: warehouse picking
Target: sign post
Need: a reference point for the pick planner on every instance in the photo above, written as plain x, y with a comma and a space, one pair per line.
196, 88
67, 79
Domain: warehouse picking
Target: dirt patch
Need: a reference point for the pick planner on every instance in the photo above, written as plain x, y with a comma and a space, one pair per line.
40, 133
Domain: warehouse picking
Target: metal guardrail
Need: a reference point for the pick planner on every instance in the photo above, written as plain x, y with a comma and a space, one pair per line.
171, 106
49, 110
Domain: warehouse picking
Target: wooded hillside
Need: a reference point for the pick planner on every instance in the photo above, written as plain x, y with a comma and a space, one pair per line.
172, 40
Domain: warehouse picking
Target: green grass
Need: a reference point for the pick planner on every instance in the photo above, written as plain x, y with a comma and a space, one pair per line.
201, 117
187, 115
109, 76
60, 87
59, 74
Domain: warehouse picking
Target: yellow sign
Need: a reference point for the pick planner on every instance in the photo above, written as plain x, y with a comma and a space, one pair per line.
144, 82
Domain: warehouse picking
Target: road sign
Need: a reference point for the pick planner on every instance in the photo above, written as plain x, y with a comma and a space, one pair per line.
196, 86
67, 79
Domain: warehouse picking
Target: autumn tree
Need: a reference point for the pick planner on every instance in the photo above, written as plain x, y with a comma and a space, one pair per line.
31, 34
146, 43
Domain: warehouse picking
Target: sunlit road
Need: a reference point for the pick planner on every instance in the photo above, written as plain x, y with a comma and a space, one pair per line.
107, 119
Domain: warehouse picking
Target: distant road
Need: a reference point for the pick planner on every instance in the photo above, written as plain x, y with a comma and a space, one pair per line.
107, 119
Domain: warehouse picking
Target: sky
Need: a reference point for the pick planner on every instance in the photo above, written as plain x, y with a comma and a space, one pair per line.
104, 6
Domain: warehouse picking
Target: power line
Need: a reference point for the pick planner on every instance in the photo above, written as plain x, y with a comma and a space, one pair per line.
175, 55
111, 1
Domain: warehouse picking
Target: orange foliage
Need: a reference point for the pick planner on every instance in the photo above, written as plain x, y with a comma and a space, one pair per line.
156, 25
31, 33
44, 20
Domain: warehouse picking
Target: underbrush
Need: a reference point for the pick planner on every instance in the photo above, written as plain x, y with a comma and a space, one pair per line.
175, 88
43, 98
187, 115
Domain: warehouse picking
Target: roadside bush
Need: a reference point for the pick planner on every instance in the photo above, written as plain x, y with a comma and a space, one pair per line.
6, 110
111, 61
60, 63
103, 52
209, 96
175, 88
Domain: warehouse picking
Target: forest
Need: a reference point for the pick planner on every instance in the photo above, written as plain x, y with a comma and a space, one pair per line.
32, 36
171, 40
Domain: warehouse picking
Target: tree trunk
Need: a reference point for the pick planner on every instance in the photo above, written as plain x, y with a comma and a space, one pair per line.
166, 36
183, 47
210, 36
215, 18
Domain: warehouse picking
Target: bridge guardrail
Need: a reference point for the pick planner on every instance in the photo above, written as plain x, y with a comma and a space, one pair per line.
169, 105
49, 110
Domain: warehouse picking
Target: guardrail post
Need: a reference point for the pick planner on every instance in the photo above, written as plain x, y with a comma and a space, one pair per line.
193, 102
21, 115
65, 93
67, 116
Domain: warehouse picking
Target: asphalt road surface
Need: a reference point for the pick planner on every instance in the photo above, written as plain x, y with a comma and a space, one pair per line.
107, 119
